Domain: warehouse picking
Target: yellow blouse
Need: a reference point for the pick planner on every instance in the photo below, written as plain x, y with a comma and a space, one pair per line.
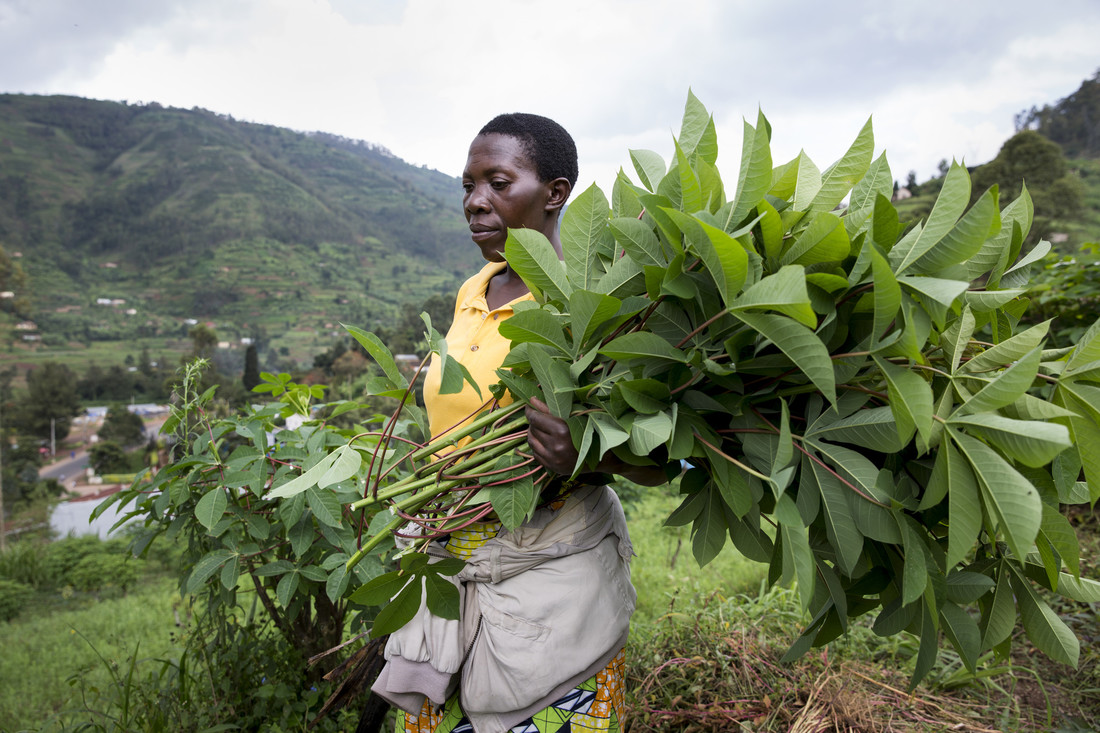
475, 342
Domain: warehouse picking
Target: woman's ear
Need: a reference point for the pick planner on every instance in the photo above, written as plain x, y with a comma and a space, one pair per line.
560, 188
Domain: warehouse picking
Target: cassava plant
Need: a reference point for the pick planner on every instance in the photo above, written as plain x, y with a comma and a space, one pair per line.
853, 398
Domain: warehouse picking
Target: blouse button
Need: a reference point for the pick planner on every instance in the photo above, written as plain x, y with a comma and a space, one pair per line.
473, 348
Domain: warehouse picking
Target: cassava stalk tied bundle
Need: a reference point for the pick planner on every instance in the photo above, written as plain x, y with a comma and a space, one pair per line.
857, 401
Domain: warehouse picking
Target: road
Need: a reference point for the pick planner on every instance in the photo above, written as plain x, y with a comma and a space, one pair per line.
70, 466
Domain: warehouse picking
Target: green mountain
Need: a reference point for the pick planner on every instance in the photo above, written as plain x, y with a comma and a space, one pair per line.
130, 221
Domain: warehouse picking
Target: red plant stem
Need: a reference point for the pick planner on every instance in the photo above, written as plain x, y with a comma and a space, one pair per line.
387, 430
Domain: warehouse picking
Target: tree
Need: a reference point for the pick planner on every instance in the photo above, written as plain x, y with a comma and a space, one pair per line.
107, 456
1073, 123
1028, 158
51, 398
203, 340
122, 426
251, 376
911, 183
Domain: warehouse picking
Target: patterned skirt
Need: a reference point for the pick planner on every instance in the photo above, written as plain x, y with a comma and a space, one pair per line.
594, 705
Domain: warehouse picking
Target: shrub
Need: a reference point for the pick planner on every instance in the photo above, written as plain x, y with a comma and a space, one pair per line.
101, 570
25, 562
13, 596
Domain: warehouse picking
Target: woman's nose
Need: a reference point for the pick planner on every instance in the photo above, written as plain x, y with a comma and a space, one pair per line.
476, 200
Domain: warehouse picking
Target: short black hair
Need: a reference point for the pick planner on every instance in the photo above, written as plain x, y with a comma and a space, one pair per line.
546, 143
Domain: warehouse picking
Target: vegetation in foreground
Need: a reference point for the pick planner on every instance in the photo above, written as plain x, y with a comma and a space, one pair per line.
704, 656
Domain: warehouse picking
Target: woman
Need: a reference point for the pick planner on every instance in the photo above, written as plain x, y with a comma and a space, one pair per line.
546, 607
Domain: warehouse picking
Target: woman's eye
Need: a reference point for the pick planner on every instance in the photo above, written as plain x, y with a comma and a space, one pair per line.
467, 187
499, 185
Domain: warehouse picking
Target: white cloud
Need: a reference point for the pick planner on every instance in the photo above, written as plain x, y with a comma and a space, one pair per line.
942, 79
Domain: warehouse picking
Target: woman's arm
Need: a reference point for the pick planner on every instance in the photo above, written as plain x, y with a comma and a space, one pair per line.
553, 448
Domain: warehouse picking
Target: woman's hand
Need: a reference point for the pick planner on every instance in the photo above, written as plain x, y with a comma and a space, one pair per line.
553, 448
549, 439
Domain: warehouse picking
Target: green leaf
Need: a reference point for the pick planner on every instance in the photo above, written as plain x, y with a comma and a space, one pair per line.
824, 240
708, 532
691, 190
1016, 217
1083, 590
1048, 632
533, 258
1009, 498
380, 589
784, 291
878, 181
211, 507
949, 206
536, 326
693, 128
326, 507
1008, 350
1006, 387
914, 570
967, 237
938, 290
755, 176
807, 182
207, 565
771, 229
638, 241
1030, 442
1057, 530
645, 396
609, 432
928, 649
999, 619
798, 559
801, 345
641, 345
1084, 430
381, 355
586, 240
887, 293
874, 428
557, 384
963, 633
964, 586
725, 259
513, 500
910, 399
304, 481
964, 503
345, 462
399, 611
1087, 349
286, 587
441, 595
453, 375
840, 177
986, 301
650, 167
648, 432
337, 582
956, 337
840, 526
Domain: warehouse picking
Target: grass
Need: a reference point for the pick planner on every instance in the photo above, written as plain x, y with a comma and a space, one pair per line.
49, 644
666, 575
704, 654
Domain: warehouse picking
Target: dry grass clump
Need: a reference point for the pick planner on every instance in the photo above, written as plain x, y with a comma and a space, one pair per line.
718, 669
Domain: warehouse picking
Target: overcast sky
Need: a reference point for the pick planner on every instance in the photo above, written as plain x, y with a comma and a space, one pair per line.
940, 78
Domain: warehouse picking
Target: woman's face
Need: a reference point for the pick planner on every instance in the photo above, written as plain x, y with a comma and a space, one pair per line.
503, 191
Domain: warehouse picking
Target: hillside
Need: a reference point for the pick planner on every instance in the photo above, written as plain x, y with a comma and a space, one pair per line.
172, 214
